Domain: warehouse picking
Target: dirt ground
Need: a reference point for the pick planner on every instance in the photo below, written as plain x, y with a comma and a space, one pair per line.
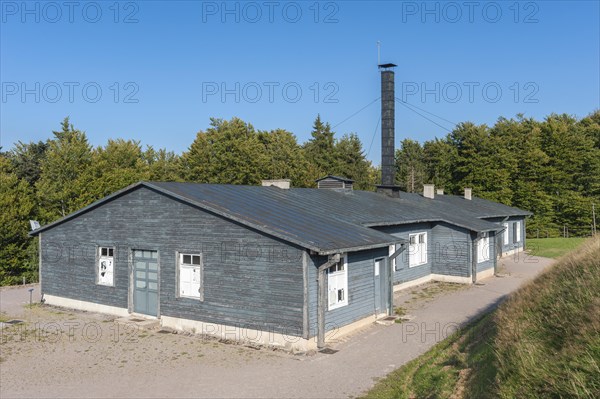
74, 347
64, 353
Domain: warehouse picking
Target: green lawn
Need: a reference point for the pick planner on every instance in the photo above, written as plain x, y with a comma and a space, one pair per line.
552, 247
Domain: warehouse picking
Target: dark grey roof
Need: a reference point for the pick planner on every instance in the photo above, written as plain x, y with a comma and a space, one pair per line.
477, 207
325, 221
372, 209
264, 209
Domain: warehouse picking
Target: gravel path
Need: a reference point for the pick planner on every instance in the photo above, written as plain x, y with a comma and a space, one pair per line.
59, 353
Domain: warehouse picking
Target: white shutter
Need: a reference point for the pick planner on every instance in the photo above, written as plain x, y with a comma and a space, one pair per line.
105, 271
332, 297
190, 275
337, 286
185, 281
518, 228
483, 249
505, 233
417, 249
195, 282
423, 247
412, 250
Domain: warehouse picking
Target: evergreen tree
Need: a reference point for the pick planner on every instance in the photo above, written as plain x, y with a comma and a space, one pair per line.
26, 160
481, 162
410, 166
320, 149
438, 158
67, 158
351, 161
17, 204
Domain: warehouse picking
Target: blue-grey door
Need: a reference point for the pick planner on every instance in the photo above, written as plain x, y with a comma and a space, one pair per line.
145, 282
381, 289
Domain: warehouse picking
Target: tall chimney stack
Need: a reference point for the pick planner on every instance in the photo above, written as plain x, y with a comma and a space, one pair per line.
388, 108
388, 122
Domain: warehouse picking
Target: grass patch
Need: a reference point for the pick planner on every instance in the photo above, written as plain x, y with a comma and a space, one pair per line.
445, 369
432, 290
552, 247
399, 311
543, 342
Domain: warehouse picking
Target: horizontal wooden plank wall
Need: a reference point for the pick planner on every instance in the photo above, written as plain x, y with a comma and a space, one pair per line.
403, 272
361, 290
510, 221
451, 250
251, 280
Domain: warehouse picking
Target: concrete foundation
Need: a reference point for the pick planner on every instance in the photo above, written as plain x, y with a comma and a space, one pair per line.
83, 305
221, 331
512, 252
445, 278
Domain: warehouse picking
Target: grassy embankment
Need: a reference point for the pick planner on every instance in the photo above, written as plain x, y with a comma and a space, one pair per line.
543, 342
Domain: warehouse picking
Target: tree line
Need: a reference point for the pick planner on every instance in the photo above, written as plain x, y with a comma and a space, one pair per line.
550, 167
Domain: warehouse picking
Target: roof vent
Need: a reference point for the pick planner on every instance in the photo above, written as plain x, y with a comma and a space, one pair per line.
335, 182
428, 190
468, 193
440, 191
280, 183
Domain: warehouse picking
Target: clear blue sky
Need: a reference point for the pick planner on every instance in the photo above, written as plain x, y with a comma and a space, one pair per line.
162, 66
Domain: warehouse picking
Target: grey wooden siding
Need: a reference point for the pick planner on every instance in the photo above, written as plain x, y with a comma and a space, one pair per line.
510, 221
451, 250
251, 280
403, 272
361, 290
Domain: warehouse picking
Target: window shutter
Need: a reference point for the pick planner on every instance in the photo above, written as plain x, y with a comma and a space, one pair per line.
185, 281
423, 244
195, 282
105, 271
332, 297
515, 232
483, 249
337, 284
190, 275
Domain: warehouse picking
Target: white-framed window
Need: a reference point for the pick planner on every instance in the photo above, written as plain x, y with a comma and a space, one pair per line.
505, 235
417, 249
337, 284
190, 275
483, 248
106, 266
516, 231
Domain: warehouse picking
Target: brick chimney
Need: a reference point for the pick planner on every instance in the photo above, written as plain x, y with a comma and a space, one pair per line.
468, 193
